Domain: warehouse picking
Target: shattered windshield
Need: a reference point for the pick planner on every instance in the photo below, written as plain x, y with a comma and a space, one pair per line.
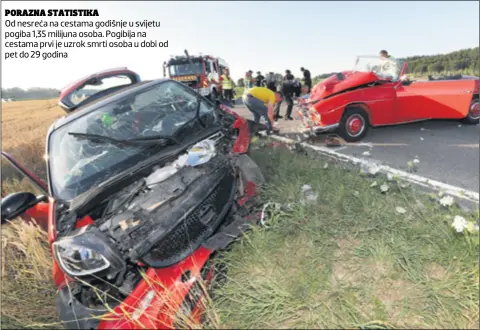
83, 153
182, 69
385, 68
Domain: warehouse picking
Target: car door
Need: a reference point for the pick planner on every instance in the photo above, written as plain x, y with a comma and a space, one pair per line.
438, 99
15, 179
95, 86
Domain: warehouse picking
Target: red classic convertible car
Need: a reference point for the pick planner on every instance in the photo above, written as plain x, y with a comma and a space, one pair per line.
377, 93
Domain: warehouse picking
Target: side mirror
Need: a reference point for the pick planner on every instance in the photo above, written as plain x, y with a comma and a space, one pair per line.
16, 204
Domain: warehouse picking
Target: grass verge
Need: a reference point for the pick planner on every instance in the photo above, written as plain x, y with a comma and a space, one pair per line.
350, 258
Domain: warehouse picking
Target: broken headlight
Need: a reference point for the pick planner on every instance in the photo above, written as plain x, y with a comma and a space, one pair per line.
87, 252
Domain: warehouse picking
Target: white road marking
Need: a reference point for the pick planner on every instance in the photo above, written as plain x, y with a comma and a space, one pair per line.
412, 178
465, 145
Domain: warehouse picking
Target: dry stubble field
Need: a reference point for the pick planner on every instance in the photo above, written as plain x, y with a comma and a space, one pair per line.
24, 128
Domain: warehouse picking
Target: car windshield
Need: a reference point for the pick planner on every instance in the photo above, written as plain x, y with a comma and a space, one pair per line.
82, 160
386, 68
186, 68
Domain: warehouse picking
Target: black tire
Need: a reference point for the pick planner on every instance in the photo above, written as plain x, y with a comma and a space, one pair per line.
473, 112
354, 124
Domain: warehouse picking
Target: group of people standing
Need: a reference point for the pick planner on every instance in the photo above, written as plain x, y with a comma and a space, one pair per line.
263, 93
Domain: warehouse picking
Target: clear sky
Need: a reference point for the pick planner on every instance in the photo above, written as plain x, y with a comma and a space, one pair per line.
261, 36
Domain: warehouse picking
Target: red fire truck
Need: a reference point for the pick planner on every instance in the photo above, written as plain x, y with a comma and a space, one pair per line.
200, 72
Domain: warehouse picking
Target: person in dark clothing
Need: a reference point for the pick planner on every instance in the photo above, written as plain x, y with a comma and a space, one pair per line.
288, 75
307, 78
259, 79
276, 112
287, 91
270, 82
296, 88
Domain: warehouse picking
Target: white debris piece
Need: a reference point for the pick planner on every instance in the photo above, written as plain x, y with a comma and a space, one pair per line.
384, 188
309, 196
366, 153
459, 224
326, 165
400, 210
373, 169
459, 125
416, 161
264, 216
374, 184
356, 193
421, 138
389, 177
446, 201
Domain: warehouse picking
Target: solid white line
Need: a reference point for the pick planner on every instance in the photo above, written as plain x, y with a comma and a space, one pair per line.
412, 178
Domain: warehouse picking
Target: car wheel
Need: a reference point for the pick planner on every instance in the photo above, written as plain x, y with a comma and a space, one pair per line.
354, 125
473, 112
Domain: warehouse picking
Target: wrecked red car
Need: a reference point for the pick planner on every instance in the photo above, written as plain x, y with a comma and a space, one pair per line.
377, 93
145, 183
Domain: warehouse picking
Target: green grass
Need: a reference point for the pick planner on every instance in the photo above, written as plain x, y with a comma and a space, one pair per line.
350, 259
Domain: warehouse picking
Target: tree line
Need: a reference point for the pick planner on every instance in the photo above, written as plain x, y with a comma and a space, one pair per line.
465, 61
34, 93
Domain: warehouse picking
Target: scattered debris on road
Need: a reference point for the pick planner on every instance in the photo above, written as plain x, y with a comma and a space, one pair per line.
366, 153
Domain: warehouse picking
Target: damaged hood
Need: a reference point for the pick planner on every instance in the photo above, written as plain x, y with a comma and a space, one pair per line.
341, 82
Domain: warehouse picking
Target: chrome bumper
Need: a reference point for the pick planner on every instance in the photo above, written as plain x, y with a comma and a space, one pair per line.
321, 129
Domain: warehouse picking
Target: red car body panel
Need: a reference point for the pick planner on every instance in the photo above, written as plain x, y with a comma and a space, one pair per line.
160, 313
391, 102
66, 91
333, 85
442, 99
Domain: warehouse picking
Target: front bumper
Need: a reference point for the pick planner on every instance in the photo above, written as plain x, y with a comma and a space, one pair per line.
75, 315
173, 289
312, 126
172, 285
323, 129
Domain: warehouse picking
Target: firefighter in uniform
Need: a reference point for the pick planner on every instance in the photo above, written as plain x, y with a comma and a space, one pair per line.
227, 86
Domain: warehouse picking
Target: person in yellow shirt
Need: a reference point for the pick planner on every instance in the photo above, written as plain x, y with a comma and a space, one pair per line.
260, 102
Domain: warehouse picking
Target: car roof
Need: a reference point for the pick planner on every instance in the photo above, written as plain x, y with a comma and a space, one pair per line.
107, 99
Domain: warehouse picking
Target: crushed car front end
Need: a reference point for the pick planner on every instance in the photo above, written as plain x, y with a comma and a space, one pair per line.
165, 281
132, 250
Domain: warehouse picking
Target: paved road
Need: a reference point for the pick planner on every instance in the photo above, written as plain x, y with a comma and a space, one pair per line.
447, 152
